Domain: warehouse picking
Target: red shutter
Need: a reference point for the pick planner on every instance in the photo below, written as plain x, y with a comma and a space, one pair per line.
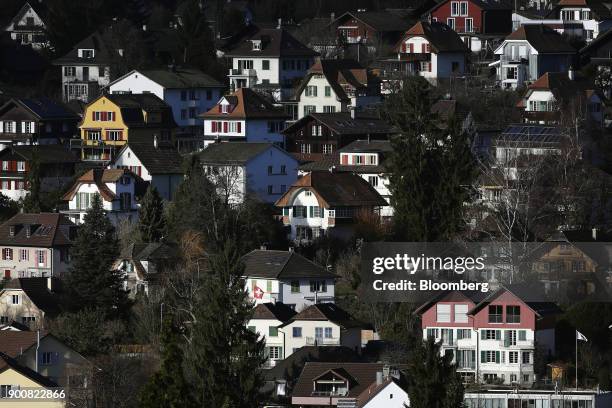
104, 116
224, 127
139, 170
93, 115
219, 108
411, 48
423, 48
429, 66
213, 126
11, 253
13, 165
239, 127
45, 258
344, 159
3, 254
9, 184
121, 135
7, 274
404, 47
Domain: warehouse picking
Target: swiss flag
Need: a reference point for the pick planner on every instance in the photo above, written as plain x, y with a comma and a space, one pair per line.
258, 292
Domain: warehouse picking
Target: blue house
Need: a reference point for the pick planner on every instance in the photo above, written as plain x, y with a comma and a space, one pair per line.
188, 91
263, 170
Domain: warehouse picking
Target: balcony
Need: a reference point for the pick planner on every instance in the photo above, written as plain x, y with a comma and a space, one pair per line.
34, 272
540, 116
513, 59
322, 341
242, 72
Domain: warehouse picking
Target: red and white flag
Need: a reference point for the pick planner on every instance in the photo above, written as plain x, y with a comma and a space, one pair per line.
258, 292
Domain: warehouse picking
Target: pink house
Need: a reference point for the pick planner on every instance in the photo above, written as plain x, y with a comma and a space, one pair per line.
492, 338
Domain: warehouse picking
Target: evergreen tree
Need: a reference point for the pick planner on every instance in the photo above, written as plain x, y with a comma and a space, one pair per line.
225, 355
31, 203
430, 168
432, 379
91, 282
168, 387
151, 222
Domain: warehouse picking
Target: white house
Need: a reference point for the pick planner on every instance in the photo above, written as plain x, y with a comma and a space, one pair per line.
337, 86
529, 52
188, 91
287, 277
29, 301
593, 15
265, 321
116, 187
366, 159
262, 169
28, 27
271, 60
157, 163
431, 50
244, 115
327, 202
86, 69
322, 324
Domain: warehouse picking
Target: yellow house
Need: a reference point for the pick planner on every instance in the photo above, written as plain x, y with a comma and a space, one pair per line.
111, 121
17, 378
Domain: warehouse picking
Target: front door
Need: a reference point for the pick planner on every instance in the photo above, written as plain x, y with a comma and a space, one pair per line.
85, 73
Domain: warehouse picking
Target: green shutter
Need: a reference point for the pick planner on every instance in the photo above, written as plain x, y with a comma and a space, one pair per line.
269, 286
482, 335
483, 356
252, 328
522, 335
497, 360
497, 334
311, 211
273, 331
78, 200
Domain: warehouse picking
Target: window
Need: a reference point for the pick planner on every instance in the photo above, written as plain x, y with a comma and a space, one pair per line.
283, 188
450, 22
522, 335
40, 256
328, 332
9, 127
329, 109
311, 90
20, 166
5, 165
316, 212
461, 313
318, 286
490, 335
297, 332
272, 331
295, 286
509, 338
469, 25
464, 334
586, 15
495, 314
512, 378
275, 126
526, 357
283, 169
94, 135
183, 95
308, 109
7, 254
513, 357
270, 189
192, 113
265, 65
318, 332
245, 64
305, 148
46, 358
432, 334
193, 95
511, 73
83, 201
315, 130
443, 313
6, 184
526, 378
87, 53
299, 211
454, 8
513, 314
275, 352
490, 356
114, 135
27, 127
373, 180
328, 148
126, 201
464, 8
327, 91
15, 299
69, 71
183, 114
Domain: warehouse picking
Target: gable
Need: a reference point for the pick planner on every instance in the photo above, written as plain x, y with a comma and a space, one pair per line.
15, 111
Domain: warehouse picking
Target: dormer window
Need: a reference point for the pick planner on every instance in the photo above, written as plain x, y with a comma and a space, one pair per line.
225, 108
256, 45
331, 383
12, 231
28, 231
86, 53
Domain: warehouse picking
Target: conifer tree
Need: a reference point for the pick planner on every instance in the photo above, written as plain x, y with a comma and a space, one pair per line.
430, 168
432, 379
225, 356
168, 387
151, 222
91, 282
31, 203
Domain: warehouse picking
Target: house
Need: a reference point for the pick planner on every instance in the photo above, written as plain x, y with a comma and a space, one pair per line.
336, 86
46, 354
598, 53
158, 164
507, 398
556, 93
286, 277
270, 59
431, 50
27, 26
14, 376
280, 379
265, 321
593, 16
362, 385
187, 91
36, 121
322, 324
319, 135
327, 203
493, 337
237, 169
144, 265
476, 21
30, 301
36, 245
244, 115
110, 121
56, 167
118, 188
530, 52
370, 28
86, 68
573, 265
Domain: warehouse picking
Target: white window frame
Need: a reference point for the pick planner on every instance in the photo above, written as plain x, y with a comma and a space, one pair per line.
460, 314
471, 25
443, 313
461, 11
15, 297
20, 166
454, 8
450, 22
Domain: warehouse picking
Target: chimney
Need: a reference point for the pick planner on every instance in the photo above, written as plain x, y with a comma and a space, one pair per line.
570, 73
594, 234
379, 378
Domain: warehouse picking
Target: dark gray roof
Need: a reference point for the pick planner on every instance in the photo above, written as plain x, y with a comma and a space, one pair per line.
45, 108
157, 160
274, 43
46, 154
182, 78
373, 146
278, 311
544, 39
151, 251
382, 21
102, 55
328, 312
342, 124
281, 265
7, 362
233, 152
38, 291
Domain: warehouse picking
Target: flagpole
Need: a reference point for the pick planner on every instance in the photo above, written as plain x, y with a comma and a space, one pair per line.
576, 335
